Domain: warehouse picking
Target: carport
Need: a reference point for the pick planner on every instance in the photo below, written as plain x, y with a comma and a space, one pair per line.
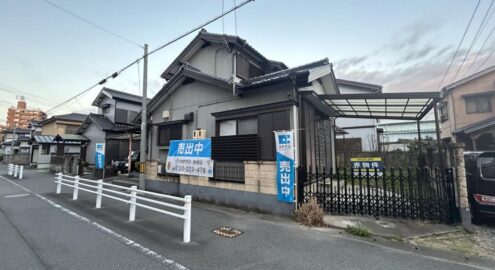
397, 106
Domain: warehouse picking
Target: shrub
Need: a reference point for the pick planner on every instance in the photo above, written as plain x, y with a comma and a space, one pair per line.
310, 214
357, 231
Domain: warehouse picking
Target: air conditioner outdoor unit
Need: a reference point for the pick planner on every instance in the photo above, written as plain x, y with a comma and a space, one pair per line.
166, 114
199, 134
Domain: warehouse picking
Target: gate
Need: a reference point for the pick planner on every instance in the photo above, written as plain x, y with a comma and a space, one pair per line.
406, 193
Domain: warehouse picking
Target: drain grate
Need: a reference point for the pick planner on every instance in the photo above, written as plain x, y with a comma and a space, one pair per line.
227, 232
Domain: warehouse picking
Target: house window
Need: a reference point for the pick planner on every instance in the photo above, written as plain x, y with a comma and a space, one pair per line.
45, 149
241, 126
487, 167
443, 110
121, 116
168, 133
478, 104
69, 129
245, 69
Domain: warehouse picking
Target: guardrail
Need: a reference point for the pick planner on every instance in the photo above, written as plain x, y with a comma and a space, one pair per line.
132, 196
15, 170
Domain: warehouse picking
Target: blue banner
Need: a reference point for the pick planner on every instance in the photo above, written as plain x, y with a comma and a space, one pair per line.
284, 141
100, 156
190, 157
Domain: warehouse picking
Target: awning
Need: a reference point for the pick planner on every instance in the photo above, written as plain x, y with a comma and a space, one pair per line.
404, 106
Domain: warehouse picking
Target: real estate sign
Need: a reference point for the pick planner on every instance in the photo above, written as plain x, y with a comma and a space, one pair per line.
190, 157
100, 156
284, 141
367, 164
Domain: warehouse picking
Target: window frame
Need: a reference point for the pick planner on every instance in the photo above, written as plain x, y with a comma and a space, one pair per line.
159, 141
478, 98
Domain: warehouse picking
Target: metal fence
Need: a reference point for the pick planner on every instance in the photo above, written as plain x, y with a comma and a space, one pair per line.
418, 193
132, 196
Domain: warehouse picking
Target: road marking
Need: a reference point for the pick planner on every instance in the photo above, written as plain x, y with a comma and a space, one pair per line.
16, 195
128, 242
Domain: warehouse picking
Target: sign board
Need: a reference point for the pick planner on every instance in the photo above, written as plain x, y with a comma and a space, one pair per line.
284, 145
100, 156
190, 157
374, 164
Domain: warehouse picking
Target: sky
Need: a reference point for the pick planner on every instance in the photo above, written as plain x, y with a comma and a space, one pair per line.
49, 56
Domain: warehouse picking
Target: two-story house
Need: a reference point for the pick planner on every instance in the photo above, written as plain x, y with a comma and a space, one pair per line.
56, 140
467, 111
15, 141
361, 128
238, 97
111, 125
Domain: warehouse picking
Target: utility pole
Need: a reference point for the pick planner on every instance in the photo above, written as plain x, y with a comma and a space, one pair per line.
12, 143
142, 153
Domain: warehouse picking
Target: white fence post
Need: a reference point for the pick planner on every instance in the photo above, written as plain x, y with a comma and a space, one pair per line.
15, 170
75, 193
132, 201
187, 219
98, 194
59, 183
20, 172
11, 169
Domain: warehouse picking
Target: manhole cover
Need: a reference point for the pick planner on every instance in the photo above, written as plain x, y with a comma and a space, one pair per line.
227, 232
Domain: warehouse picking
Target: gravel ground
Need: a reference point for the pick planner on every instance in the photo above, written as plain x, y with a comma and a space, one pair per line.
480, 243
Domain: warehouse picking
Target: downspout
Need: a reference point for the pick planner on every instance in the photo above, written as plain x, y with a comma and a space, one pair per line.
332, 143
296, 120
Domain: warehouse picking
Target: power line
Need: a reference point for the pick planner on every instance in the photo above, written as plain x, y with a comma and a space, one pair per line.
92, 23
473, 41
481, 49
484, 42
486, 60
460, 43
115, 74
11, 89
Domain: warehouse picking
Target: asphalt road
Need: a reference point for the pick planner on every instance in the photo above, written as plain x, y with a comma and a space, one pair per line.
43, 230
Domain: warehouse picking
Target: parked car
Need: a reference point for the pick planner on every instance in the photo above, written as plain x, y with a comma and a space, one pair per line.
123, 165
480, 174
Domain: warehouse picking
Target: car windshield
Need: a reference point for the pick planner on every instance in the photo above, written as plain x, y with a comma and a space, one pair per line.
487, 165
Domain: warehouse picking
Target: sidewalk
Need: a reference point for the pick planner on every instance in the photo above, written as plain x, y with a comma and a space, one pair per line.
391, 227
266, 242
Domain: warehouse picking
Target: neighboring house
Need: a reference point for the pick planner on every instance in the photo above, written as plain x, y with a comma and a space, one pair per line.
365, 129
48, 151
111, 125
62, 124
223, 86
397, 135
20, 138
467, 111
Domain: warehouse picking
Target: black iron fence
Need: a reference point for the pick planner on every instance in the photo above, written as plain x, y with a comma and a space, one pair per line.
418, 193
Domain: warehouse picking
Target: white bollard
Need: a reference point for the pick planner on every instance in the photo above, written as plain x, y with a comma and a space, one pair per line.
20, 172
75, 193
187, 219
132, 202
15, 170
11, 169
59, 183
98, 193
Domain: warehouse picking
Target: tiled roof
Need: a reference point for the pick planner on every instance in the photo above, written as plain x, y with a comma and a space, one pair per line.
476, 126
282, 74
77, 117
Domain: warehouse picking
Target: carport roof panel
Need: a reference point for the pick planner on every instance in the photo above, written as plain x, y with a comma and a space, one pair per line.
407, 106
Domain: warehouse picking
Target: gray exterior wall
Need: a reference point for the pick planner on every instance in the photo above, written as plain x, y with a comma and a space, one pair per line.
95, 135
111, 110
204, 99
214, 60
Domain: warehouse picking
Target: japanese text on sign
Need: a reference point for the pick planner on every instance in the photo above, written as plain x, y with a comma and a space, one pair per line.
190, 157
285, 166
